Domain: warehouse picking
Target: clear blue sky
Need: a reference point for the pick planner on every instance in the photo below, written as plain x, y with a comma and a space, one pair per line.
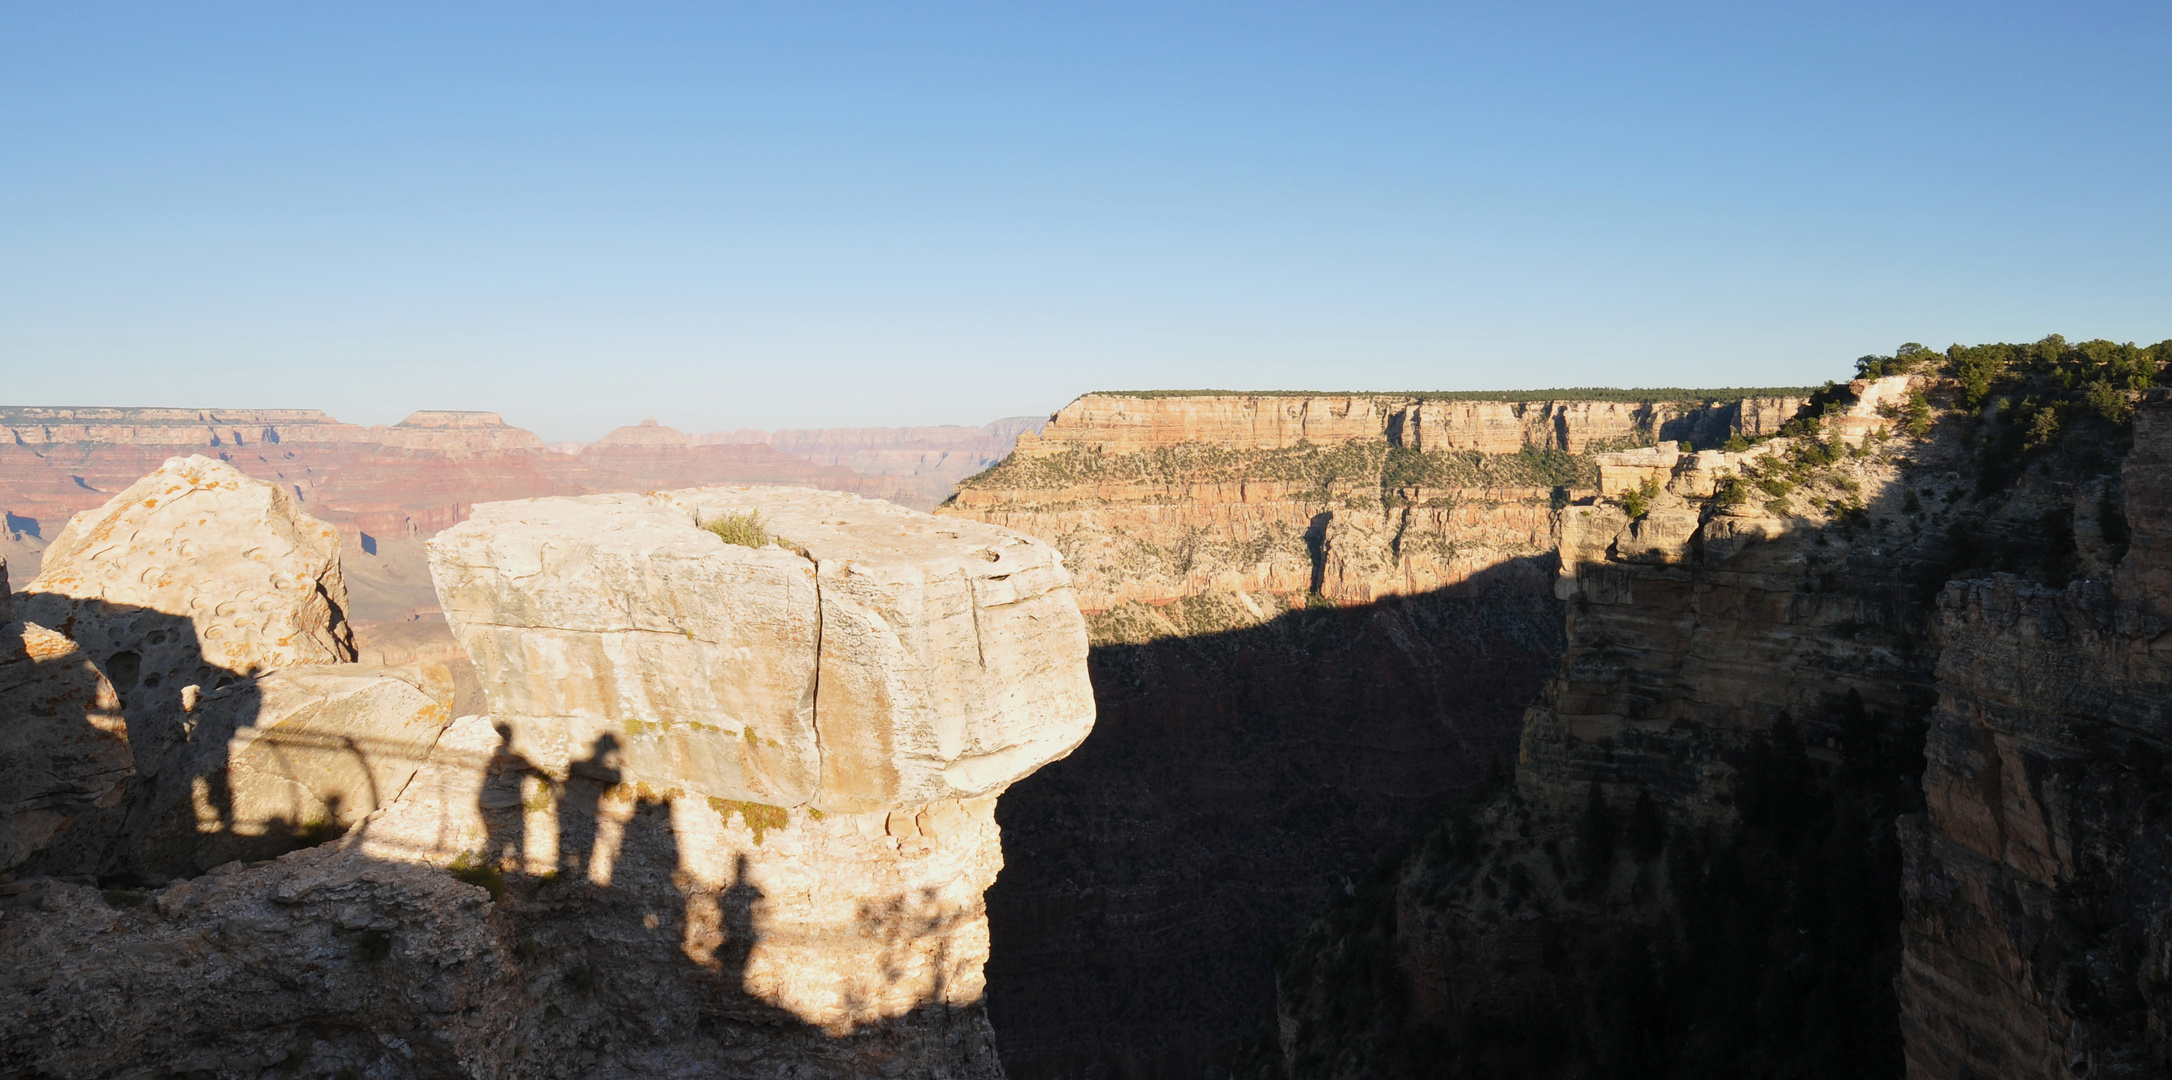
799, 214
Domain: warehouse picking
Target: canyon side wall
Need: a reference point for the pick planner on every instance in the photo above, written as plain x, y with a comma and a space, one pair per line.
1735, 622
2038, 942
1851, 766
1315, 621
733, 813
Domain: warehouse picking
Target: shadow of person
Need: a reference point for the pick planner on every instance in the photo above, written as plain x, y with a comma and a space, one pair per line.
175, 815
586, 782
736, 906
501, 805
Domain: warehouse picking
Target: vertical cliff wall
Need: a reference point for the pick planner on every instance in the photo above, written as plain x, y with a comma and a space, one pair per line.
2037, 886
1733, 619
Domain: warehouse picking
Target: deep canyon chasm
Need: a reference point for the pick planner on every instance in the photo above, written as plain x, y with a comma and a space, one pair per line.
1746, 733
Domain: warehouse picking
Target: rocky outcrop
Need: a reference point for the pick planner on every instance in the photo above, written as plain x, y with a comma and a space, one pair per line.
675, 940
1736, 622
194, 570
649, 907
1344, 604
1274, 498
214, 610
884, 660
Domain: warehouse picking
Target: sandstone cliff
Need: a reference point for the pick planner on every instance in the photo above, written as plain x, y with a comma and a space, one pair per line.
2037, 886
1348, 497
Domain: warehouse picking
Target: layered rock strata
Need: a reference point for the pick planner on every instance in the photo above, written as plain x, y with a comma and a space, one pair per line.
1129, 424
2037, 939
1351, 497
925, 462
411, 478
1734, 620
1342, 611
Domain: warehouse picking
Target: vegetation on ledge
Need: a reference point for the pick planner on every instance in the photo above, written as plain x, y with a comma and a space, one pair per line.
1657, 394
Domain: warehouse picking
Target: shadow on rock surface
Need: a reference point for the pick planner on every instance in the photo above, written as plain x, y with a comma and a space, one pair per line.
328, 962
1232, 782
230, 765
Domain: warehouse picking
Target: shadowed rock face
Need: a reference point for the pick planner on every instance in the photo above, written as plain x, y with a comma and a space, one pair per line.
1234, 783
2038, 943
868, 658
671, 940
63, 744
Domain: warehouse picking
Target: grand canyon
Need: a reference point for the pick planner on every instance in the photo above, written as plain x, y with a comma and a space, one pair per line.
1809, 731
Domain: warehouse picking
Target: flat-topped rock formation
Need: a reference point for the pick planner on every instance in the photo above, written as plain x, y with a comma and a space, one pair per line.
1112, 423
868, 658
1348, 497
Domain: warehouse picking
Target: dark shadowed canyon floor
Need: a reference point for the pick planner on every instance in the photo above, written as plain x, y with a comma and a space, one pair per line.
1233, 780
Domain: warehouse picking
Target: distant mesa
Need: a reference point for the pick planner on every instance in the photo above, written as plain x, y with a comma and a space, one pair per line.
457, 432
452, 418
647, 433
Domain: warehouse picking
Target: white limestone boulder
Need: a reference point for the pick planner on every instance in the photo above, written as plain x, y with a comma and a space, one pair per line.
869, 658
194, 575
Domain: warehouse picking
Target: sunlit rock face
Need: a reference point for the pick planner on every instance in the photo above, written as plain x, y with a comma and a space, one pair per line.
196, 546
861, 657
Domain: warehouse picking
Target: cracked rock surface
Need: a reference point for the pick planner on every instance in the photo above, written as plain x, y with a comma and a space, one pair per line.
862, 658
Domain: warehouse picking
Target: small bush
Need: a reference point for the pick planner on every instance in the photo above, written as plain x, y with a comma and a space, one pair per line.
745, 529
1919, 414
479, 872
